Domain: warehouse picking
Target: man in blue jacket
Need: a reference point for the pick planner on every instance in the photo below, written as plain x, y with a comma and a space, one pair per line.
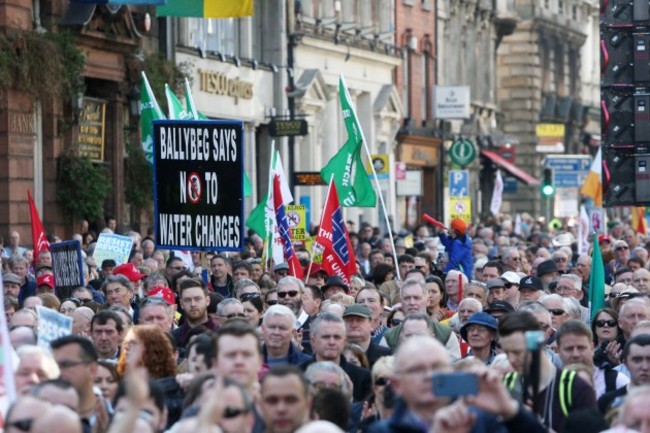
459, 248
493, 410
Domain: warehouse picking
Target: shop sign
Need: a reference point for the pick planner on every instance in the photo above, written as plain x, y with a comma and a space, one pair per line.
288, 128
218, 83
308, 178
92, 129
451, 102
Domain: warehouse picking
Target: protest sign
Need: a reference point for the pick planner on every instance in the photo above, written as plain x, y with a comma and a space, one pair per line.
51, 325
67, 266
110, 246
198, 188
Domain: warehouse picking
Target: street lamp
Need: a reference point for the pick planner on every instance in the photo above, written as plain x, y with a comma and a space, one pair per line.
134, 101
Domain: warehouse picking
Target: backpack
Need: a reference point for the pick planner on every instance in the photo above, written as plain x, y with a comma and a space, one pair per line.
565, 391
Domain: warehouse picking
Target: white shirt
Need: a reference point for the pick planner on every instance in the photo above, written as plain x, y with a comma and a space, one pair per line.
301, 319
599, 381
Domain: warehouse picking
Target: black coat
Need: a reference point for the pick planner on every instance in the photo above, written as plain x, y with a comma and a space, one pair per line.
360, 377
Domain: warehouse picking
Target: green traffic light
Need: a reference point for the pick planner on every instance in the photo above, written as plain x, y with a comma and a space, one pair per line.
548, 190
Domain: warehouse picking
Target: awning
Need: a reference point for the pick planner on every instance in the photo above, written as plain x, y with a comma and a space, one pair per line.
511, 168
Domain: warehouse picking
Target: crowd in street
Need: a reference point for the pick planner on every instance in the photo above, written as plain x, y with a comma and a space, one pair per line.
227, 343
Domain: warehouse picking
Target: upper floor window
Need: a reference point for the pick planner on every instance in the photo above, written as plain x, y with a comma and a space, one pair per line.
218, 35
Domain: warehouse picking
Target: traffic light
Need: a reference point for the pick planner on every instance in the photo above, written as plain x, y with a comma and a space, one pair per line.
547, 185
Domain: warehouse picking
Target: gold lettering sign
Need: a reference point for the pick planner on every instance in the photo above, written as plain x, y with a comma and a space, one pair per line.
218, 83
422, 156
21, 123
92, 126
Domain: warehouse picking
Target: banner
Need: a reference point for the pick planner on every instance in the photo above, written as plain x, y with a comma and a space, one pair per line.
115, 247
198, 186
67, 263
38, 232
51, 325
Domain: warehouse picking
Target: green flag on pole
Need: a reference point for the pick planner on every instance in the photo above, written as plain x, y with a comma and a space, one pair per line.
596, 280
193, 113
149, 111
176, 109
352, 182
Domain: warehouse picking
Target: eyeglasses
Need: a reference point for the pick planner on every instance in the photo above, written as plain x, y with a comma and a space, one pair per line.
21, 424
234, 412
559, 259
290, 293
601, 323
515, 259
381, 381
396, 322
419, 268
621, 248
271, 302
510, 285
556, 311
233, 315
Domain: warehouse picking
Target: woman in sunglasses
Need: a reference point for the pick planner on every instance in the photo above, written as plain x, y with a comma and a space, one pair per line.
606, 331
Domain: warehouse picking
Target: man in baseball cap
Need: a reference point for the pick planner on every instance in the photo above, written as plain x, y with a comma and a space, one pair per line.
531, 288
131, 272
496, 290
45, 284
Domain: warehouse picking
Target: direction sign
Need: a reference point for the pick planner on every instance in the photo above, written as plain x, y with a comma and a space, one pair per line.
569, 171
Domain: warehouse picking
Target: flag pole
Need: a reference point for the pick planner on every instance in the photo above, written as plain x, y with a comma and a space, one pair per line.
374, 174
268, 244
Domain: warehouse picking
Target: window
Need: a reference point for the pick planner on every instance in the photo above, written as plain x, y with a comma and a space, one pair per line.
220, 35
406, 80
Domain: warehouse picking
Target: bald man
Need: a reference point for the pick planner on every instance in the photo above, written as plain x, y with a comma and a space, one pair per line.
641, 280
81, 319
57, 419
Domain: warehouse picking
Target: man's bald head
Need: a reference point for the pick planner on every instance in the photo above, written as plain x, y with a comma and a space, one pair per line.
57, 419
81, 318
420, 344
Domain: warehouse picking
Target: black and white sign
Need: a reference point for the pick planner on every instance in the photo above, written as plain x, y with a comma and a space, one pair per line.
198, 185
451, 102
67, 266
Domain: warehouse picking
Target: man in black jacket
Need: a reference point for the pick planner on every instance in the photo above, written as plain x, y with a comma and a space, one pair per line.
328, 339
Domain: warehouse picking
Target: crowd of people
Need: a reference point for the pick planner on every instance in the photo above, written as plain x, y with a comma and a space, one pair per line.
227, 343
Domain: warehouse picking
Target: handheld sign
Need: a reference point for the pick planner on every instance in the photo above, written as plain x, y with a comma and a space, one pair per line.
67, 266
51, 325
198, 187
113, 247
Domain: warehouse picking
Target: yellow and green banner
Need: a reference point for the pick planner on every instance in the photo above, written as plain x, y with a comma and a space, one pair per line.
206, 8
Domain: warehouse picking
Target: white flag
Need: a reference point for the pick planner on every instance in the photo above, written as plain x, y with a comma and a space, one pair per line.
583, 231
518, 229
497, 194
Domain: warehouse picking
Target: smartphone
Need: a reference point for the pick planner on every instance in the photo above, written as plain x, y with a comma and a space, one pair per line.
454, 384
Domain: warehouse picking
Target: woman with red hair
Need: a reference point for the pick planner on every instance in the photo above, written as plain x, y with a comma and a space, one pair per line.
157, 351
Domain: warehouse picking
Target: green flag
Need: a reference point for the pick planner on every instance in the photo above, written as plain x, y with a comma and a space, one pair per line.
176, 109
596, 280
195, 114
352, 182
149, 111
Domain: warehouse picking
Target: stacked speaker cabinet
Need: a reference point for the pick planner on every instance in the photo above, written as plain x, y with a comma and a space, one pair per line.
625, 101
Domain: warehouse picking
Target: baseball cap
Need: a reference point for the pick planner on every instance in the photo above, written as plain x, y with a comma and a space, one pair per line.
511, 277
360, 310
604, 238
316, 268
459, 225
281, 267
531, 282
499, 306
495, 283
45, 280
163, 292
129, 271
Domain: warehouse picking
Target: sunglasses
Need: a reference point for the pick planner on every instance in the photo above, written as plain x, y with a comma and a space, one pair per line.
234, 315
381, 381
21, 424
233, 412
396, 322
602, 323
510, 285
290, 293
556, 311
621, 248
271, 302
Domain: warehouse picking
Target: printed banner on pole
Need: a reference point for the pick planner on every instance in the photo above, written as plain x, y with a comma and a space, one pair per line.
115, 247
51, 325
68, 268
198, 186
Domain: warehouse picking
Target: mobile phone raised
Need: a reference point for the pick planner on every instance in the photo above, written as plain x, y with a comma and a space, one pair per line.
454, 384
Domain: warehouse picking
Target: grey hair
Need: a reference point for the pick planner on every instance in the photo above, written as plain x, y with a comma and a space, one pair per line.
534, 307
243, 283
419, 316
637, 391
460, 274
51, 367
473, 301
289, 280
409, 283
634, 301
577, 281
573, 307
323, 317
330, 367
279, 310
120, 279
222, 305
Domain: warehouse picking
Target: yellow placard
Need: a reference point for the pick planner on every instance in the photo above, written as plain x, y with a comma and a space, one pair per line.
461, 207
380, 162
546, 130
309, 244
297, 216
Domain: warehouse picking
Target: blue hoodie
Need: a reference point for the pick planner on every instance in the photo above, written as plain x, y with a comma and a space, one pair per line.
460, 254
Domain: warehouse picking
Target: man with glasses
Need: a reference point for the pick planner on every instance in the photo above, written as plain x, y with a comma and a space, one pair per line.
290, 290
570, 286
558, 308
229, 309
23, 413
77, 360
106, 331
561, 261
174, 266
621, 256
511, 259
194, 300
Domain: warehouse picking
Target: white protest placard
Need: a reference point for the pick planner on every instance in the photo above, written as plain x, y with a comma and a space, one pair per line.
51, 325
114, 247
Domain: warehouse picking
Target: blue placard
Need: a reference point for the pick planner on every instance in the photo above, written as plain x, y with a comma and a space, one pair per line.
114, 247
51, 325
305, 200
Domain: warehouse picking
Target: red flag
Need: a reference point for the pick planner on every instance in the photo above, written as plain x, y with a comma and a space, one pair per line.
285, 232
38, 233
338, 255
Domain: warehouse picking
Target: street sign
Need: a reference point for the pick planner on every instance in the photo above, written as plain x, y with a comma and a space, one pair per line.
569, 171
462, 152
458, 183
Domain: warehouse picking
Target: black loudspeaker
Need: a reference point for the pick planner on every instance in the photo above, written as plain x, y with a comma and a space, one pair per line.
618, 179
